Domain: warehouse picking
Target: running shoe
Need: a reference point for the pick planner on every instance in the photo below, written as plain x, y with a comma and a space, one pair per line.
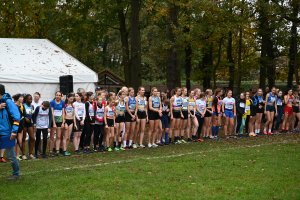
66, 153
134, 146
117, 149
189, 140
270, 133
24, 157
122, 149
109, 149
142, 146
265, 132
32, 157
149, 145
160, 144
154, 145
19, 158
2, 160
183, 141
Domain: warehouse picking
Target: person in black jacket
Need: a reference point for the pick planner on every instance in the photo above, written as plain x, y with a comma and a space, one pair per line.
89, 122
240, 112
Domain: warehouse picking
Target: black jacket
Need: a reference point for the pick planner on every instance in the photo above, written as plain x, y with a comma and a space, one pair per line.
240, 107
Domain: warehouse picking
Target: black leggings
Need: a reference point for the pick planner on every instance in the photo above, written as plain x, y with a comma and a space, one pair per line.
98, 134
239, 119
200, 122
88, 129
82, 137
38, 140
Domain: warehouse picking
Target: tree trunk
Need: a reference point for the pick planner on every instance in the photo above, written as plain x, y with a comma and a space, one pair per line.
239, 61
293, 47
237, 89
218, 63
124, 42
135, 70
104, 51
267, 68
271, 70
230, 61
188, 65
207, 65
173, 73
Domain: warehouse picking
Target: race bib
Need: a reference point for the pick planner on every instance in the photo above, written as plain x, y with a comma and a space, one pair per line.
57, 113
122, 108
100, 114
111, 113
155, 104
29, 111
242, 105
91, 113
247, 108
132, 106
229, 106
42, 122
80, 113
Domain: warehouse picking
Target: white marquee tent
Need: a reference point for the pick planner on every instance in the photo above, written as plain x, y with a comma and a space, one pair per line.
35, 65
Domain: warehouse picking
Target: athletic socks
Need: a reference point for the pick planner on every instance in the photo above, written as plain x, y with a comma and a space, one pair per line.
130, 142
124, 143
166, 137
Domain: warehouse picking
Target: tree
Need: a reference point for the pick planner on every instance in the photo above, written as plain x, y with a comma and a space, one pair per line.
135, 68
173, 73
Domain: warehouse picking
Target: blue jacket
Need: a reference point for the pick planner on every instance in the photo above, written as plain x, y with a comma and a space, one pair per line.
6, 128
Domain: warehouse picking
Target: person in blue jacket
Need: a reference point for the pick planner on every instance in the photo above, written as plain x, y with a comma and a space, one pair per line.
9, 124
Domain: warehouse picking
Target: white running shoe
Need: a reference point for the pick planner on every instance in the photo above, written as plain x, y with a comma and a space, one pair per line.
142, 146
154, 145
134, 146
149, 145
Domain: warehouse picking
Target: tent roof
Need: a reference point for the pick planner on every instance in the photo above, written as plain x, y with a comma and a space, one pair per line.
39, 61
108, 78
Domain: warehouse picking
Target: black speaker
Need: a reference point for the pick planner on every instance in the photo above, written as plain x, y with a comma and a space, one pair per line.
66, 84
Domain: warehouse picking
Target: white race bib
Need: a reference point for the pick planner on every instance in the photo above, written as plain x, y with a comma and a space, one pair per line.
57, 113
247, 108
80, 113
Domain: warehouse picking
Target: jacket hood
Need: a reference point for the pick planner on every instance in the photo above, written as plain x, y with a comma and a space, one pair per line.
6, 96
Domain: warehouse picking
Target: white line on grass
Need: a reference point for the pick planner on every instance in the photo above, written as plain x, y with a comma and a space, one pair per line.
154, 158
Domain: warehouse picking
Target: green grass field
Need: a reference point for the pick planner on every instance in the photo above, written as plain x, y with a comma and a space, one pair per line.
256, 168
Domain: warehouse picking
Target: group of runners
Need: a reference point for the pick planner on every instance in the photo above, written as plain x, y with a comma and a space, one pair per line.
108, 121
